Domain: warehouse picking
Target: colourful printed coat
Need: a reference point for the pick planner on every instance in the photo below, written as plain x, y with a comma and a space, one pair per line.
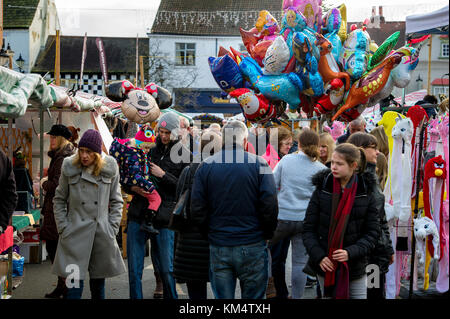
133, 165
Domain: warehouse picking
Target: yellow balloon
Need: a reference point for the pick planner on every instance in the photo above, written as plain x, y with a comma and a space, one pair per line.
342, 33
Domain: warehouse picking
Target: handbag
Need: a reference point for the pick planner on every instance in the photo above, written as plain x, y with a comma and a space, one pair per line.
163, 215
179, 215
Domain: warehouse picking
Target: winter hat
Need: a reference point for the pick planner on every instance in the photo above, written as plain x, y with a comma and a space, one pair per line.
60, 130
145, 135
170, 121
92, 140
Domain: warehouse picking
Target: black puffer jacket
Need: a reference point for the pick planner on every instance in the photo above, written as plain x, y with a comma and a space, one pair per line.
191, 260
8, 202
363, 228
167, 185
383, 251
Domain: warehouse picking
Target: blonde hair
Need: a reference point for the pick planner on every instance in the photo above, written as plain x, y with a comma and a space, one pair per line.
382, 169
382, 140
327, 139
98, 162
61, 142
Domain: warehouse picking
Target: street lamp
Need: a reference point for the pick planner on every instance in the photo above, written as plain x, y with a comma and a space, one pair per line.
419, 83
20, 63
4, 57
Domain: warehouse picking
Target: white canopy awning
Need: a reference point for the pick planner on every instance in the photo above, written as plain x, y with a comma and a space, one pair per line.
435, 22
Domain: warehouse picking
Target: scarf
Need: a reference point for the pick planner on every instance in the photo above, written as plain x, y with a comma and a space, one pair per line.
341, 208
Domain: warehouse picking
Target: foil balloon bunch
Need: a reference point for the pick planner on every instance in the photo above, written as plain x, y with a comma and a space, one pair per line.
310, 62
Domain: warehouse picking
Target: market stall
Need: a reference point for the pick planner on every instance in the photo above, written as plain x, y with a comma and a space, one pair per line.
25, 100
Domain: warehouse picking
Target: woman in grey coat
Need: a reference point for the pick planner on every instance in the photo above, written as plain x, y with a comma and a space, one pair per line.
88, 209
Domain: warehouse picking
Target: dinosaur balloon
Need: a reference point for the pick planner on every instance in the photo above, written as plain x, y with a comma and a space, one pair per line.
369, 85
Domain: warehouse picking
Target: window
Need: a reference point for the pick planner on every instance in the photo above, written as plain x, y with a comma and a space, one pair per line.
444, 50
440, 90
185, 53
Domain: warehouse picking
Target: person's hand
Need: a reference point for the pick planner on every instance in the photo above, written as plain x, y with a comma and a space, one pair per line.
340, 255
44, 180
139, 191
156, 170
392, 259
326, 265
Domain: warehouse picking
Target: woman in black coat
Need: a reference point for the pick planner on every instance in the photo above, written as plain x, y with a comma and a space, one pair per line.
344, 207
383, 254
191, 263
60, 148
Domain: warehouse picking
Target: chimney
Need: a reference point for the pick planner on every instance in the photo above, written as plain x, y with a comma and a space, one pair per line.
380, 8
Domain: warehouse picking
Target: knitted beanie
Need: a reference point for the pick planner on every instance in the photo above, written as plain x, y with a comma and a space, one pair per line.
170, 121
145, 135
92, 140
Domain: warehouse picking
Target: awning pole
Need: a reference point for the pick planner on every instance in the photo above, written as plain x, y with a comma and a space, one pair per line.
429, 64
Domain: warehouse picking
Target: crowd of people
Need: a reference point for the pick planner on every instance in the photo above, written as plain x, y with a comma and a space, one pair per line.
247, 195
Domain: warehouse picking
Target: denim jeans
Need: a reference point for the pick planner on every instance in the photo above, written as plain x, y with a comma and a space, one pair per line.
248, 263
286, 232
136, 240
279, 252
97, 287
162, 251
357, 287
299, 260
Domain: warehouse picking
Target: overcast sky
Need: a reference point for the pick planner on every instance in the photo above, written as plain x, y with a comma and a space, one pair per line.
127, 18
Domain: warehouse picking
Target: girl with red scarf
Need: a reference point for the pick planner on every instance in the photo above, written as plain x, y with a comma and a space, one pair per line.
342, 224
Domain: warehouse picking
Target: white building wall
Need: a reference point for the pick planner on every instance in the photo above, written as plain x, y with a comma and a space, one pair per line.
204, 48
29, 42
439, 66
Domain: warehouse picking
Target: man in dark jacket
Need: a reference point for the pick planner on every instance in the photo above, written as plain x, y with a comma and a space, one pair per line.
8, 190
357, 125
234, 203
168, 158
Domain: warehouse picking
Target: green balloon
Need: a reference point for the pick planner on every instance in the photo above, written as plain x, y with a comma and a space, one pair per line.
383, 50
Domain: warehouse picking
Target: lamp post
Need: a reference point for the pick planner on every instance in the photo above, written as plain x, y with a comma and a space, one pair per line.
419, 82
20, 63
4, 57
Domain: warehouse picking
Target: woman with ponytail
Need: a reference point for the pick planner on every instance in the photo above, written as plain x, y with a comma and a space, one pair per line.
342, 224
293, 180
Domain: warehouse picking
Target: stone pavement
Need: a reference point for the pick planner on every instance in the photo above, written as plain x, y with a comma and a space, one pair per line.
38, 280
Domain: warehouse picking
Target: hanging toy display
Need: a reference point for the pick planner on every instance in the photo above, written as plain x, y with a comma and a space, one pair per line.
139, 105
433, 197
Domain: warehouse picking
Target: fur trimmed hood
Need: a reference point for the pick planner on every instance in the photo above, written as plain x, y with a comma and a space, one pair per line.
109, 169
323, 180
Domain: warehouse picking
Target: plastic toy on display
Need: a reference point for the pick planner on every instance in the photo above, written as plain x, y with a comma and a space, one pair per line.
139, 105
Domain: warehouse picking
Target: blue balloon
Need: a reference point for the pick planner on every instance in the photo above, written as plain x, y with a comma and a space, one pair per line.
285, 87
226, 72
332, 24
307, 65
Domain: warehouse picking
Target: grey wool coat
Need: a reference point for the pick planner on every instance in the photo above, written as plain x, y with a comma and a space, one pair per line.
88, 210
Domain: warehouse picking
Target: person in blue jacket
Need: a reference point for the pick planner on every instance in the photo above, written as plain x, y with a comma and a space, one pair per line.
234, 203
